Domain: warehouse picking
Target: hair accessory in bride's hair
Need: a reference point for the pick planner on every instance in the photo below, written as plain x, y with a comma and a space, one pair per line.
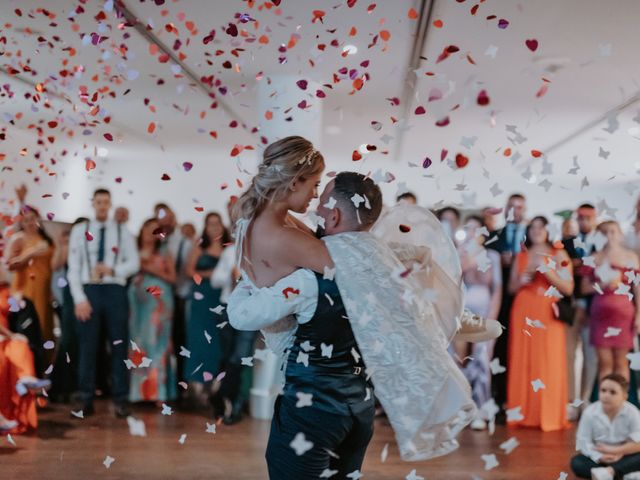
308, 157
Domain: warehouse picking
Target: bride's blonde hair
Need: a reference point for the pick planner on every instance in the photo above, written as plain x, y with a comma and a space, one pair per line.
283, 162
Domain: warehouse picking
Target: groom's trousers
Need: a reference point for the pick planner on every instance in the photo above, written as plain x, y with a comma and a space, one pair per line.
337, 442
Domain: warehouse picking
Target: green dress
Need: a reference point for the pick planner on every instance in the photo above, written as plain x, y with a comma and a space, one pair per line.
203, 340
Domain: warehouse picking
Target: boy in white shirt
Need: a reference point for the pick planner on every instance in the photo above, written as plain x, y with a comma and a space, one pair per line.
608, 437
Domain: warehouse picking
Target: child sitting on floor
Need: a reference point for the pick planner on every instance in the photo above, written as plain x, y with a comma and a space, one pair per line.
608, 437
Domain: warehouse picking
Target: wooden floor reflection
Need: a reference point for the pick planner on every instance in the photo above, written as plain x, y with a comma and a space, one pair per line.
68, 449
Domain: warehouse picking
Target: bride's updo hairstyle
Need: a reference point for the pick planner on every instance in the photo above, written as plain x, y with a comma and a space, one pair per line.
285, 161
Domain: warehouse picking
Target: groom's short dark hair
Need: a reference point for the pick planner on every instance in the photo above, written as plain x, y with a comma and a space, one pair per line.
348, 184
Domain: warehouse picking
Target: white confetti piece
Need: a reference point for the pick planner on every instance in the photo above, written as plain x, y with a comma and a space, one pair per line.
509, 445
211, 428
49, 345
166, 409
634, 358
385, 453
537, 385
108, 461
413, 476
490, 461
612, 332
304, 399
182, 439
78, 414
327, 473
495, 366
136, 427
300, 444
514, 414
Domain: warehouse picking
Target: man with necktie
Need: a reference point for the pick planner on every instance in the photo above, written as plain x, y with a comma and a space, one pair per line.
507, 242
578, 247
102, 255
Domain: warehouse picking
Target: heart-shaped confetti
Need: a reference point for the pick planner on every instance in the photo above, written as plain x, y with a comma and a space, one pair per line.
426, 163
404, 228
461, 160
165, 177
420, 110
187, 166
483, 98
356, 155
532, 44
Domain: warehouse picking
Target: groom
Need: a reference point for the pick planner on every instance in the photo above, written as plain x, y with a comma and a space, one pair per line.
323, 421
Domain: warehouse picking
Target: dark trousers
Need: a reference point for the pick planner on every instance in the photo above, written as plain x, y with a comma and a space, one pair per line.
109, 308
582, 465
26, 322
499, 381
65, 373
345, 436
236, 344
178, 334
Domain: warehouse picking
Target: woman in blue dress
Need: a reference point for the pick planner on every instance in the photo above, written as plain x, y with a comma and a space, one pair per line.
203, 339
151, 313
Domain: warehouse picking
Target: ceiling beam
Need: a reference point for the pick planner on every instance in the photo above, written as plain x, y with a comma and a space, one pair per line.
411, 79
586, 127
152, 38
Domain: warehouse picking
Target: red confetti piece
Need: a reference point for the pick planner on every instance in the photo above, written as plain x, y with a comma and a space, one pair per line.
187, 166
502, 23
385, 35
420, 110
536, 153
404, 228
507, 152
151, 128
89, 165
302, 84
356, 155
371, 8
446, 52
290, 290
155, 291
50, 216
165, 177
443, 154
426, 163
483, 98
118, 179
108, 136
532, 44
438, 23
88, 236
52, 124
317, 15
412, 14
351, 3
443, 123
461, 160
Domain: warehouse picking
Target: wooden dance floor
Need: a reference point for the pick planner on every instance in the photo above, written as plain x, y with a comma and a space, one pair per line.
66, 448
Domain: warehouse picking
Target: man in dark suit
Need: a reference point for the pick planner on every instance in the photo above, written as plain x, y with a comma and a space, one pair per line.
507, 242
578, 247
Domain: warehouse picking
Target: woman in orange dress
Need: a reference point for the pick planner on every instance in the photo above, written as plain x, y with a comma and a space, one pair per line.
17, 376
537, 368
29, 257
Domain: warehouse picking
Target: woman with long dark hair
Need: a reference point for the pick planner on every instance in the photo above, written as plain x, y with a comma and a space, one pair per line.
29, 258
150, 313
203, 341
537, 377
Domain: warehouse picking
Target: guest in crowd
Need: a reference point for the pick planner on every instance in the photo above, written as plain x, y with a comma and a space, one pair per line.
488, 215
102, 256
203, 340
614, 314
450, 219
18, 384
229, 401
632, 239
151, 306
579, 246
29, 257
65, 368
121, 215
482, 277
569, 229
407, 198
178, 246
608, 437
508, 243
537, 372
188, 231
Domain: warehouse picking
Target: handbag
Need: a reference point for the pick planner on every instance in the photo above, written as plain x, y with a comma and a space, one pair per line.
566, 309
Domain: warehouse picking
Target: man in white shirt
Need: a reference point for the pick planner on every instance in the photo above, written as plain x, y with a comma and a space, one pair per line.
608, 437
102, 255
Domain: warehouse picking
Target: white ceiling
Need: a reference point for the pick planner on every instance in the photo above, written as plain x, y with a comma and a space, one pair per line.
587, 52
